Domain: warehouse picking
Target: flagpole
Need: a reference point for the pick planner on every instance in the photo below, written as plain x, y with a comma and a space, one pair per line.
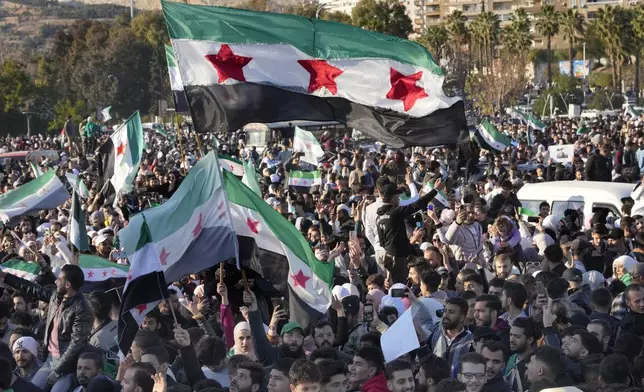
199, 144
183, 159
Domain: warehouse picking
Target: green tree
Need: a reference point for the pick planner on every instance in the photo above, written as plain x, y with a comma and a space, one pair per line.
488, 27
609, 23
571, 25
383, 16
516, 36
457, 31
305, 9
337, 16
434, 39
548, 25
638, 35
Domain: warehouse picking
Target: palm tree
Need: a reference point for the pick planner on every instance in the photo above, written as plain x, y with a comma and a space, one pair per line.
638, 34
571, 25
517, 36
456, 29
548, 25
434, 39
608, 22
485, 30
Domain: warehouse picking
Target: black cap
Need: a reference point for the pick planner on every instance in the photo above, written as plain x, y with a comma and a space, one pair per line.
573, 275
579, 245
388, 191
616, 234
351, 304
485, 333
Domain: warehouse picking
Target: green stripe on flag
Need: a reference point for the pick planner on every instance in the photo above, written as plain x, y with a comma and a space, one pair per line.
317, 38
527, 212
21, 269
280, 227
490, 138
169, 56
12, 197
307, 175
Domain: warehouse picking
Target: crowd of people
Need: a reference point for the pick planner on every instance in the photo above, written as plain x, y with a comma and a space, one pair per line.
498, 303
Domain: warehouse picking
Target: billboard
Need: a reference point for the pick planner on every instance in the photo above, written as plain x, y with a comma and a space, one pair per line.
579, 67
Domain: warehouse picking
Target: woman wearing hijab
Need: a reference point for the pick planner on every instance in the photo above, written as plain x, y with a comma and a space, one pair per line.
622, 267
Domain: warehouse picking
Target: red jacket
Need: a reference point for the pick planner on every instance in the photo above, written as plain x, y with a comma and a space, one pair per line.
377, 383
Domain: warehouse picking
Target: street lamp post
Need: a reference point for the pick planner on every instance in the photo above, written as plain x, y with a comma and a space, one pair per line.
28, 115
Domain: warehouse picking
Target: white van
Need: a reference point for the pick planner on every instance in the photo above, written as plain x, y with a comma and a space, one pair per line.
583, 196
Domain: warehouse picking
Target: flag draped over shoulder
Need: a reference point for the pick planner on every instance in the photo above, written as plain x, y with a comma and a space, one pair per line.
44, 192
192, 231
491, 138
287, 260
144, 288
180, 100
239, 67
304, 141
121, 157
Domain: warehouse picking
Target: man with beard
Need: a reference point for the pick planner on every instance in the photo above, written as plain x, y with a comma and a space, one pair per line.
138, 378
68, 311
90, 365
291, 337
503, 266
487, 310
496, 356
25, 353
451, 340
524, 334
278, 379
323, 333
248, 378
400, 377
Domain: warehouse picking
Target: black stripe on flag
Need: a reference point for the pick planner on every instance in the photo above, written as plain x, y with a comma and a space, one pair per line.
229, 107
180, 101
274, 268
141, 291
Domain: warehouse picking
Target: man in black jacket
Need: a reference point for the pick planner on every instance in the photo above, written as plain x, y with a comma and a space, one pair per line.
392, 230
599, 166
69, 323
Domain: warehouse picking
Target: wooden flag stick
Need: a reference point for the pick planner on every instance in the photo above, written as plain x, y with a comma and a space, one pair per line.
174, 316
221, 272
246, 286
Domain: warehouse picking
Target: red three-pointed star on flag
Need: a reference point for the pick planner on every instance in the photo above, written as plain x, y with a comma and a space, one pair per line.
323, 74
228, 64
252, 225
300, 279
199, 227
141, 308
404, 88
120, 150
164, 256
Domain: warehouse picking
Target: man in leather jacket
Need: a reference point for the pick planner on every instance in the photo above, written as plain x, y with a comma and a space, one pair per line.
69, 323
